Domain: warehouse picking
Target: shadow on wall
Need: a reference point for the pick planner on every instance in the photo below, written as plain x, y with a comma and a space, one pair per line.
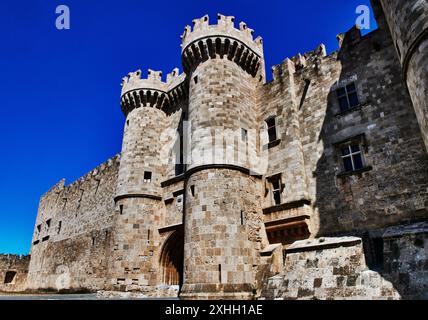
372, 173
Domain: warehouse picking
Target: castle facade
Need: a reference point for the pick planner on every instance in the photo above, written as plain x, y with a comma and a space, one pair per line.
312, 185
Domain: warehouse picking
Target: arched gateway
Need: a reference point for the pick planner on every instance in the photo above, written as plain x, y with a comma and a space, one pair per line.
171, 259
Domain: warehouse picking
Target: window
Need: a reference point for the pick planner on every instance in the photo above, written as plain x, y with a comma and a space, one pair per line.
271, 127
48, 224
59, 227
276, 187
10, 277
39, 228
244, 135
147, 177
348, 97
195, 79
352, 157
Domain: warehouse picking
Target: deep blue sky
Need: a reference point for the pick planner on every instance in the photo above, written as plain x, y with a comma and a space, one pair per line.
59, 90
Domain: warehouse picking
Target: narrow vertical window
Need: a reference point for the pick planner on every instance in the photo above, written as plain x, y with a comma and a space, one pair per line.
147, 177
98, 186
59, 226
276, 187
121, 209
244, 135
271, 127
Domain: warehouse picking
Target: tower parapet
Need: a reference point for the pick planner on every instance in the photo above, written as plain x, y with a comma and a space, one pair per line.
205, 41
152, 91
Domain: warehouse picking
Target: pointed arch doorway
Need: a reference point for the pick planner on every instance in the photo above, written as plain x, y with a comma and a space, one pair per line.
172, 259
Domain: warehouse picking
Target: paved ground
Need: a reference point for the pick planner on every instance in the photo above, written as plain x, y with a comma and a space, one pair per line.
65, 297
50, 297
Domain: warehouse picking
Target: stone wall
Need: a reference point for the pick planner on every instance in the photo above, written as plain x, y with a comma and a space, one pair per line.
72, 237
406, 259
392, 185
327, 269
224, 233
118, 228
13, 272
408, 24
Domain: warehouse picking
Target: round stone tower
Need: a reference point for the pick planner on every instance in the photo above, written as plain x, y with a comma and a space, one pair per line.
223, 219
408, 23
138, 195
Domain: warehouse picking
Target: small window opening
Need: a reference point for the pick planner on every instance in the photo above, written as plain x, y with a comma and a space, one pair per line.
59, 226
98, 186
48, 223
352, 157
147, 177
127, 122
121, 209
192, 190
195, 79
271, 127
39, 228
348, 97
276, 189
244, 135
219, 273
93, 241
10, 277
242, 218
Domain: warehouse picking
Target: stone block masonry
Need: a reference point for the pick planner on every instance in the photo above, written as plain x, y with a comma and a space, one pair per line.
221, 174
13, 273
328, 269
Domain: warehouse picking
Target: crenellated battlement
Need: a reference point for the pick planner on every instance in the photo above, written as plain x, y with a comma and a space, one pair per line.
151, 91
300, 61
53, 193
205, 41
153, 81
225, 27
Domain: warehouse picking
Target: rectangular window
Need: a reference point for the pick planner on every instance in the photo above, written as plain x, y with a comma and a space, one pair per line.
276, 187
352, 157
147, 177
271, 127
244, 135
348, 97
48, 224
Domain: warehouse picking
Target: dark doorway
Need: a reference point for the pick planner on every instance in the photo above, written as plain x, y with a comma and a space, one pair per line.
172, 258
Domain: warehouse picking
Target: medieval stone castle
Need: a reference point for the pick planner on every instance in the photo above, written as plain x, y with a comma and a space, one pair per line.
312, 185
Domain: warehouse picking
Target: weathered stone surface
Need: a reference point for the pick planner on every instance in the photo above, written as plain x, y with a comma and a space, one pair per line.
13, 273
204, 180
340, 273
